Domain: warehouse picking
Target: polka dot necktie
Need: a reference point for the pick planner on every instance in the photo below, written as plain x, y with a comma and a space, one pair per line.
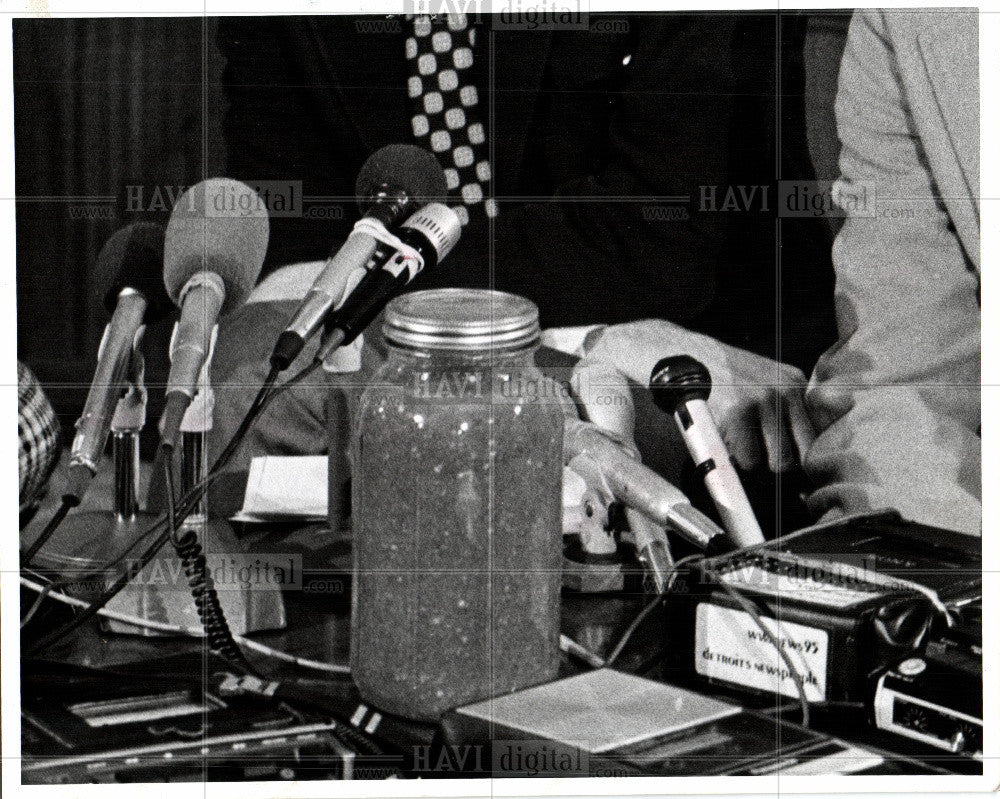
444, 104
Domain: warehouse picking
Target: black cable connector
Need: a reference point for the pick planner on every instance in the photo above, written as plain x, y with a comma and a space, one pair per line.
286, 350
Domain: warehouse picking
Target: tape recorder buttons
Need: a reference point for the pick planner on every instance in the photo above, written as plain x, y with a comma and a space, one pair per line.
911, 667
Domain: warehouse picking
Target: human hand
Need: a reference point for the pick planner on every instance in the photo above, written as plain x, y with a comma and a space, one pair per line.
758, 404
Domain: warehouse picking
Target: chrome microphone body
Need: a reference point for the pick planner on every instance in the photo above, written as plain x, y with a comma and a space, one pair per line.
329, 288
121, 336
201, 299
637, 486
394, 181
128, 270
424, 240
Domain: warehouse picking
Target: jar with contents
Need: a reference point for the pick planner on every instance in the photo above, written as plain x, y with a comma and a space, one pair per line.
456, 500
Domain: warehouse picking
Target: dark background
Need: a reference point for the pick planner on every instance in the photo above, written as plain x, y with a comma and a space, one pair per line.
102, 105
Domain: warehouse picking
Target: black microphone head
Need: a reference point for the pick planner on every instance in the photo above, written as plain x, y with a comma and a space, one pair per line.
401, 177
221, 226
133, 258
676, 380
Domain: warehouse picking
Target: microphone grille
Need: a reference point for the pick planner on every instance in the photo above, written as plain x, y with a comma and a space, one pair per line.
219, 225
678, 379
133, 258
401, 167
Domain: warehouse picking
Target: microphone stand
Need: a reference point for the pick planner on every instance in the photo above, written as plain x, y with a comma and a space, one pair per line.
161, 588
89, 538
127, 424
196, 424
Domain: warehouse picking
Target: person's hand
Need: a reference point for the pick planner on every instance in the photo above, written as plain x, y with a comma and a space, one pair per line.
757, 403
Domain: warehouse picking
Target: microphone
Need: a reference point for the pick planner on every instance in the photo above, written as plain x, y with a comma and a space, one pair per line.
424, 241
637, 486
213, 253
393, 182
680, 386
130, 263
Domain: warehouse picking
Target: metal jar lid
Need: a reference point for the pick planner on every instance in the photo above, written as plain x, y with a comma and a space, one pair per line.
464, 320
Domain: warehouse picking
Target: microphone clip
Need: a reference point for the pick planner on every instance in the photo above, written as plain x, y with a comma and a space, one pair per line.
406, 257
126, 424
130, 412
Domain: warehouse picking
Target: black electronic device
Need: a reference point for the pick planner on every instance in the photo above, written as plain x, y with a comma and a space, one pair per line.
845, 601
89, 726
607, 723
936, 697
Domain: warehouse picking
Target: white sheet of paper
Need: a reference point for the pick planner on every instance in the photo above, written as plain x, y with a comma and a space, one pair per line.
285, 487
568, 340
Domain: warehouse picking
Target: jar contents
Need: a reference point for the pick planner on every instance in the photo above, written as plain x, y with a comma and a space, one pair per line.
457, 514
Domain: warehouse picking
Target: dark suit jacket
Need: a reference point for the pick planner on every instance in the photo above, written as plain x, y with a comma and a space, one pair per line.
584, 146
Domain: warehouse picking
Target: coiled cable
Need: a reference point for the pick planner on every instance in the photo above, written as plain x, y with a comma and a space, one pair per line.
206, 598
267, 394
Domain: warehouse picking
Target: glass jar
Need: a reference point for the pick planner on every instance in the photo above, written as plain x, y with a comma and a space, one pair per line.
456, 502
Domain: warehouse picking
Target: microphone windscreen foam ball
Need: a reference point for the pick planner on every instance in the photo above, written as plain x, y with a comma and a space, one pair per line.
133, 258
404, 167
221, 226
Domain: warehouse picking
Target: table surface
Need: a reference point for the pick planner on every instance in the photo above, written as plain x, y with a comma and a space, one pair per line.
318, 616
318, 628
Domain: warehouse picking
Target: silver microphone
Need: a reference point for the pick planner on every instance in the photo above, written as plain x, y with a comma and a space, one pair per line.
637, 486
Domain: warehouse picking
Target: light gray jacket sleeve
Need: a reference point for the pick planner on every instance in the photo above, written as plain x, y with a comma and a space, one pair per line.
897, 400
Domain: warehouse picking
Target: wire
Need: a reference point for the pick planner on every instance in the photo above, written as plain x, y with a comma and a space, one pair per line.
168, 477
194, 632
639, 619
206, 599
748, 606
609, 661
279, 390
889, 582
571, 647
93, 608
256, 408
50, 585
68, 503
36, 605
187, 504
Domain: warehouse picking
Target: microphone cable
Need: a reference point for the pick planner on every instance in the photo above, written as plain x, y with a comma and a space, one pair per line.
206, 600
175, 629
648, 608
737, 596
69, 501
267, 394
750, 608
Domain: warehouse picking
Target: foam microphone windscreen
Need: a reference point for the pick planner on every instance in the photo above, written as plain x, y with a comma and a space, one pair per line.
133, 258
401, 167
221, 226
